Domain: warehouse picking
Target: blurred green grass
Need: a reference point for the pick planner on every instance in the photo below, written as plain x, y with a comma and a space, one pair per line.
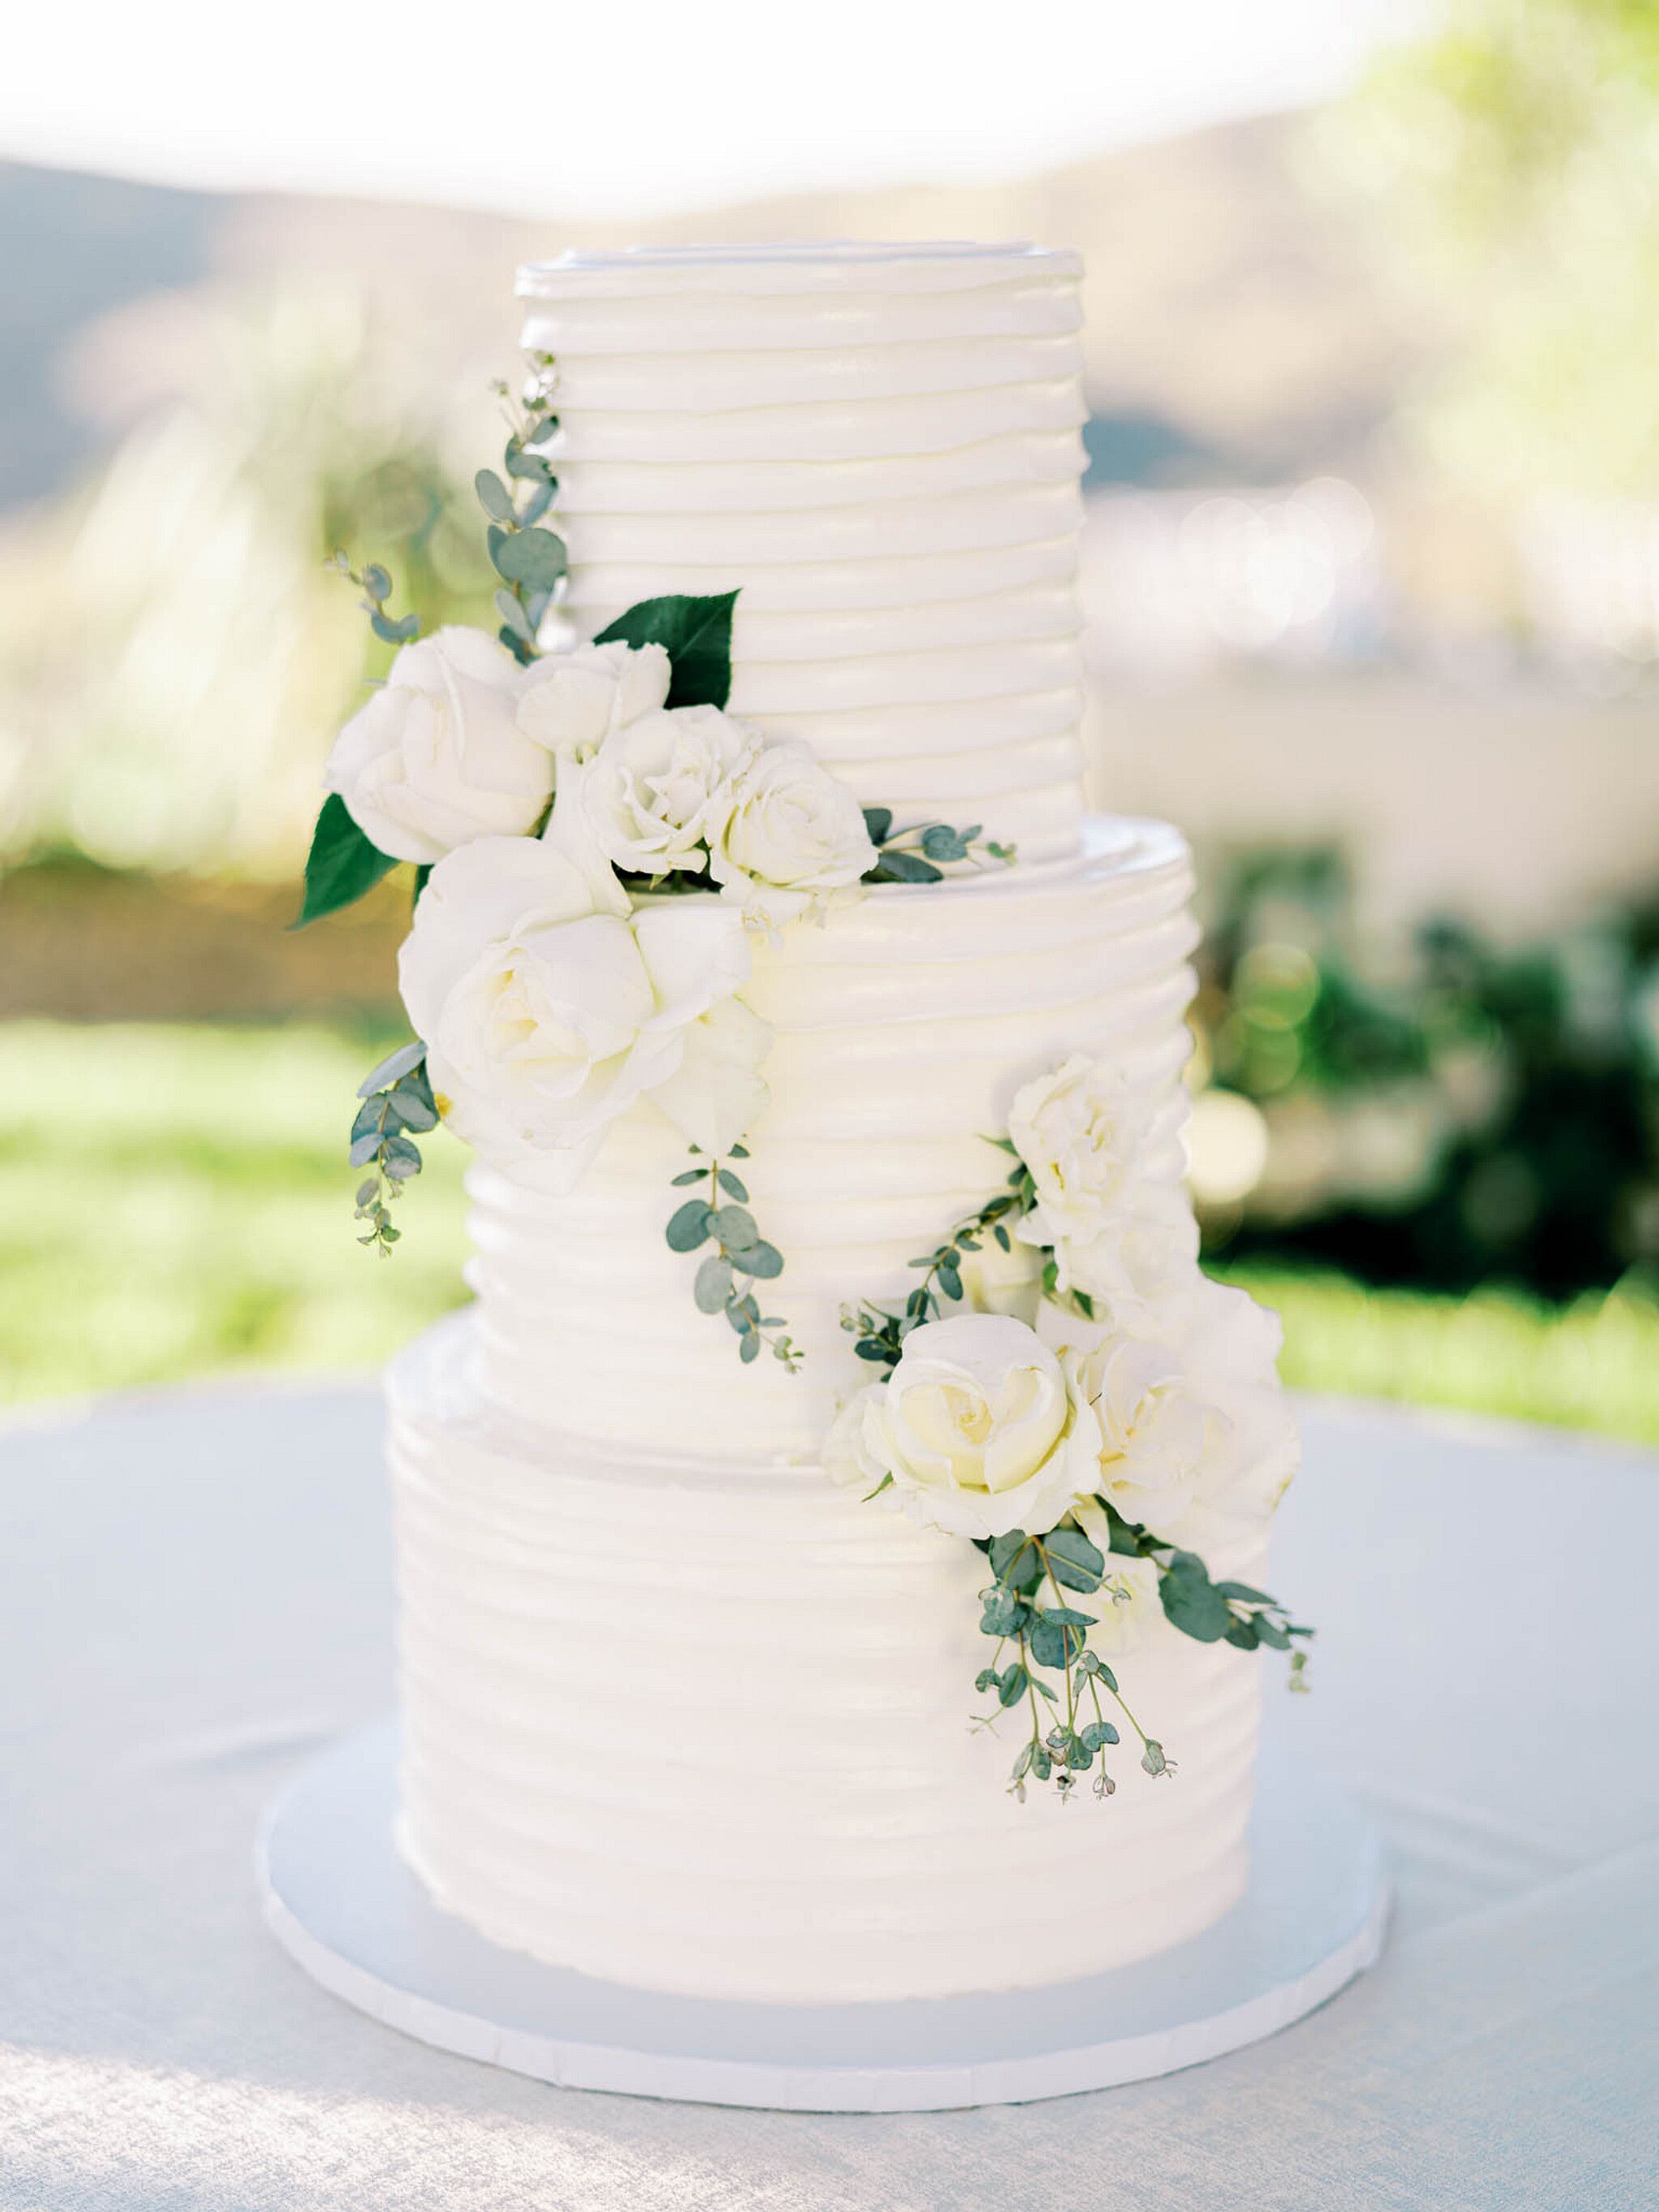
175, 1201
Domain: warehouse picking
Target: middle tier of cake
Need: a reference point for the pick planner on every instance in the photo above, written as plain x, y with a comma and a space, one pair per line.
904, 1026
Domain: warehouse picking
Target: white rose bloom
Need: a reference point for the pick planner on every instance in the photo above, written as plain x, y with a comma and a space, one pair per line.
436, 758
1083, 1131
548, 1007
974, 1427
793, 837
1187, 1424
661, 788
570, 702
1138, 1259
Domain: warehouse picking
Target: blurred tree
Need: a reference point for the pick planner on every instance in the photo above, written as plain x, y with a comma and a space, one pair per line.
173, 660
1514, 149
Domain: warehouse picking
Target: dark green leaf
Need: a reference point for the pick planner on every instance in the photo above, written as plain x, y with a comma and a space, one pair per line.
940, 843
377, 582
731, 1185
690, 1226
341, 864
878, 823
1245, 1593
872, 1348
739, 1151
691, 1174
1098, 1735
696, 635
1014, 1682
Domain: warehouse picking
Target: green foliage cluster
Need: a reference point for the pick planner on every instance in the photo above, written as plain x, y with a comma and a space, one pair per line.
1531, 1073
528, 558
1051, 1639
921, 853
398, 1107
740, 1257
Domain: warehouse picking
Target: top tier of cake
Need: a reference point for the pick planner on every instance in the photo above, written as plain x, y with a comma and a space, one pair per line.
879, 446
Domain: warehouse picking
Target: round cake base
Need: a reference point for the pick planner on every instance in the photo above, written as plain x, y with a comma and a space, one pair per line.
340, 1901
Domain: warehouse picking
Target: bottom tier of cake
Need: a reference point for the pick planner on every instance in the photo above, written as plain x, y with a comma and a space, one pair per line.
706, 1729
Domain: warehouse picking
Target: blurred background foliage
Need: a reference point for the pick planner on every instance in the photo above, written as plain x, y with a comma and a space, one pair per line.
1371, 566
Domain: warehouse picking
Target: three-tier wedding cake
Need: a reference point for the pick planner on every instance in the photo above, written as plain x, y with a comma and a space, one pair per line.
843, 1507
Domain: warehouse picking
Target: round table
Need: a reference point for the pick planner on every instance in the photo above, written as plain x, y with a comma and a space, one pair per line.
196, 1594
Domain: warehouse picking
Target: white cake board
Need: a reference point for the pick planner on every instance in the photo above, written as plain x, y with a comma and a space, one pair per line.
343, 1903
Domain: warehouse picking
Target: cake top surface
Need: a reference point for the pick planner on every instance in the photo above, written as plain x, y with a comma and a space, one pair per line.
852, 265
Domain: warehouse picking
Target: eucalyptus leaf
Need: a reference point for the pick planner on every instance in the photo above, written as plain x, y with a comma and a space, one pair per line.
514, 617
399, 1158
411, 1111
690, 1226
878, 824
364, 1149
535, 558
392, 1069
732, 1185
1192, 1602
494, 497
713, 1286
691, 1175
762, 1260
1073, 1560
903, 868
735, 1227
377, 582
749, 1350
397, 632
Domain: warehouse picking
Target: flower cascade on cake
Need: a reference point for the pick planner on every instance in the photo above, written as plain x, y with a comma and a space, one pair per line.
595, 840
1068, 1390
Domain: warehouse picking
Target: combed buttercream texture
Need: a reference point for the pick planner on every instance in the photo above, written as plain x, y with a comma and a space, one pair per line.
881, 448
679, 1712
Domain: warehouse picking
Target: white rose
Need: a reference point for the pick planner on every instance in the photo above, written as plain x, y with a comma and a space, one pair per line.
660, 788
1084, 1133
973, 1427
793, 837
1138, 1259
437, 758
1181, 1403
570, 702
548, 1007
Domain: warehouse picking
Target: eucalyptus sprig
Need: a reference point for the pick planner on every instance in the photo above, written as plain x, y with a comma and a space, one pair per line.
921, 853
1206, 1611
741, 1256
375, 585
1054, 1638
1063, 1742
529, 560
398, 1106
878, 1335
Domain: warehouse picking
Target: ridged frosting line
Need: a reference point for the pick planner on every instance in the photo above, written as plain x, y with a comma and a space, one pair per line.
802, 1815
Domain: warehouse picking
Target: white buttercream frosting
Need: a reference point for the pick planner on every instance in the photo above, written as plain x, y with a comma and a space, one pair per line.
903, 1029
888, 430
680, 1713
678, 1726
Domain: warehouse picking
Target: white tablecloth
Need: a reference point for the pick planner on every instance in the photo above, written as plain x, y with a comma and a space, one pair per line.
196, 1592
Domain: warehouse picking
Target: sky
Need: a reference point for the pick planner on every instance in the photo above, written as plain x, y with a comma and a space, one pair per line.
618, 110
